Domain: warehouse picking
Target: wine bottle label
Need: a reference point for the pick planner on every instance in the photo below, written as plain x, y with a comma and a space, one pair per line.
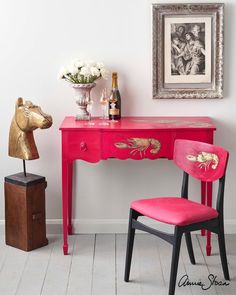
114, 112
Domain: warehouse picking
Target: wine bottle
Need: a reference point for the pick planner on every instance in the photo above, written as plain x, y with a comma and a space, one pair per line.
114, 100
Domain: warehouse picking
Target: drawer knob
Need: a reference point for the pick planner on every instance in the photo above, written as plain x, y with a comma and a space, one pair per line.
83, 146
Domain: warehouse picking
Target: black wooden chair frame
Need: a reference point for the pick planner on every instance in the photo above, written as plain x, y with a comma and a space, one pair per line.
215, 225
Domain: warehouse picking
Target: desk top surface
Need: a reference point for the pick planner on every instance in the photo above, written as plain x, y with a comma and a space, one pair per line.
140, 123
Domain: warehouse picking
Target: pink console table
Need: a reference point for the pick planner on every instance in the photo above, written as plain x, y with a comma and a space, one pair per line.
134, 138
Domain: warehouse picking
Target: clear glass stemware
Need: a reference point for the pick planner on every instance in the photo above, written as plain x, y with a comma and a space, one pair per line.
104, 100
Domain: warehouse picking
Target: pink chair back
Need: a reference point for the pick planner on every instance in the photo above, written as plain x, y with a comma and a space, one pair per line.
203, 161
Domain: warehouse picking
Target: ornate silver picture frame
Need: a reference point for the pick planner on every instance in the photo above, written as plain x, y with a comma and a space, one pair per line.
188, 50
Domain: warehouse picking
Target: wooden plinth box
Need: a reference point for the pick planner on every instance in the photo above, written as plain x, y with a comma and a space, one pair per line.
25, 211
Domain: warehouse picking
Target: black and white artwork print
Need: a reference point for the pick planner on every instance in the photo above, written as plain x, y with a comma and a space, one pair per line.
188, 48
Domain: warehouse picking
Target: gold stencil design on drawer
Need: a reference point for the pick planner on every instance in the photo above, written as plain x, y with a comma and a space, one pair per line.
140, 145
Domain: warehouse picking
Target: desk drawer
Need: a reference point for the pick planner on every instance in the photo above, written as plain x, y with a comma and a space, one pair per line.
135, 145
84, 145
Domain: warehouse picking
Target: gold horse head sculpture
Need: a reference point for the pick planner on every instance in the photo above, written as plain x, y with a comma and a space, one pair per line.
27, 118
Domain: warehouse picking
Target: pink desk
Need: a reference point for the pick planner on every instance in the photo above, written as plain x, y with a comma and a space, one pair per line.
134, 138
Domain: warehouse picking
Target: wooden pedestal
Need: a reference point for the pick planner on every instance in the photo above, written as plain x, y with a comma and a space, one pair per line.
25, 211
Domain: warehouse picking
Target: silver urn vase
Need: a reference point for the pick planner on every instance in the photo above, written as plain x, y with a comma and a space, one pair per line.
82, 98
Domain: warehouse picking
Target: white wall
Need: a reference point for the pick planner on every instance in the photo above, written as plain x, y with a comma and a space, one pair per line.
38, 37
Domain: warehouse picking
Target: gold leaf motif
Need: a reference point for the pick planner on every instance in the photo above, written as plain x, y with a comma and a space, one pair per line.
205, 160
140, 145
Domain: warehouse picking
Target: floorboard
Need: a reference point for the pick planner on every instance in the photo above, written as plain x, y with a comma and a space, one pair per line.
151, 275
133, 287
56, 280
12, 270
80, 277
165, 250
104, 274
35, 269
95, 266
214, 264
199, 272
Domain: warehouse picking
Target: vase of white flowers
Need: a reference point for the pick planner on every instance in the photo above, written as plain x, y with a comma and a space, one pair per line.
82, 76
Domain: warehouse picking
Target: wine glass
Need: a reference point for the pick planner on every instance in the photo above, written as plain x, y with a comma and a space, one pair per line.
104, 106
89, 109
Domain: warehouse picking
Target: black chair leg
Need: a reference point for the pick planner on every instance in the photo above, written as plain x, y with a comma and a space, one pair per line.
223, 257
190, 247
130, 243
175, 260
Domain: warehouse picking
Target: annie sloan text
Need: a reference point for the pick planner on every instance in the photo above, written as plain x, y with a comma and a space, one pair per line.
211, 281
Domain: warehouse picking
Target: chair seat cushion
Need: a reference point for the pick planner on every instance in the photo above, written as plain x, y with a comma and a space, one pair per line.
174, 210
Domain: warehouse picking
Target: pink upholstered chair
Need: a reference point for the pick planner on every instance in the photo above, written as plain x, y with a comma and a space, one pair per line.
204, 162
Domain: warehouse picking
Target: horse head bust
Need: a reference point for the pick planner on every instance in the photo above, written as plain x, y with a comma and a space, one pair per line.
27, 118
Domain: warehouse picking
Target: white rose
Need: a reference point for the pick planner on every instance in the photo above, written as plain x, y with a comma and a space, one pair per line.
85, 71
105, 73
100, 65
73, 69
79, 63
95, 71
90, 63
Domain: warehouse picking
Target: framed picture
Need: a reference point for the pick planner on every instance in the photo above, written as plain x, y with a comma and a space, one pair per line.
188, 50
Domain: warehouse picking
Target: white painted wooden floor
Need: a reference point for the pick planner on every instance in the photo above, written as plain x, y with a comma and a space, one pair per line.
96, 267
